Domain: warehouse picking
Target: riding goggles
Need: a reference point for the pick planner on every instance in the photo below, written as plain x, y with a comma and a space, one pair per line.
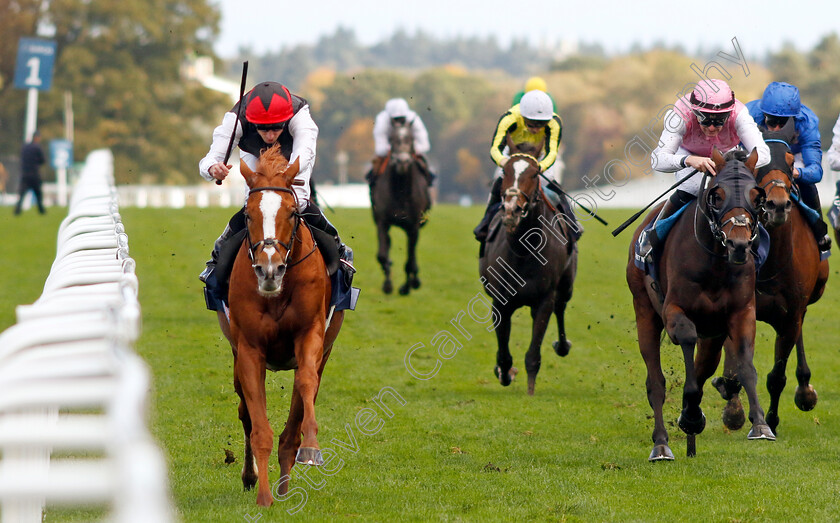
771, 120
710, 119
271, 126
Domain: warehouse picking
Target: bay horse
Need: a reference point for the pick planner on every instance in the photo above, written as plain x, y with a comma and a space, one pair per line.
280, 319
705, 292
400, 197
530, 259
792, 278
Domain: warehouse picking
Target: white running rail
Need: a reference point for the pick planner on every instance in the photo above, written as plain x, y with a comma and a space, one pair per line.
72, 391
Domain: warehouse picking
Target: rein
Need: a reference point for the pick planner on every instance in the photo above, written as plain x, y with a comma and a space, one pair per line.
271, 242
717, 229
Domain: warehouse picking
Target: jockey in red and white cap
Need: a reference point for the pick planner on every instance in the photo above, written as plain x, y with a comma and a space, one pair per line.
272, 115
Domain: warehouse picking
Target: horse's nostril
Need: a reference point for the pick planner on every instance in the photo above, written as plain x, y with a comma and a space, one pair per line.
770, 205
788, 204
259, 271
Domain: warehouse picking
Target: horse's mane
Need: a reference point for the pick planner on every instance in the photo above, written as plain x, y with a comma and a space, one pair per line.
272, 160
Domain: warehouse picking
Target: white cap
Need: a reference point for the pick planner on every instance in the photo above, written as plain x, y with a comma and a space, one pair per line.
397, 107
536, 105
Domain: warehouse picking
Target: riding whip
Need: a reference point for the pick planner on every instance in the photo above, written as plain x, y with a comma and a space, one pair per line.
556, 188
238, 115
633, 218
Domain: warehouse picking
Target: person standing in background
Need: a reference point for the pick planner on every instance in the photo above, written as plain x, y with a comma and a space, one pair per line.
31, 159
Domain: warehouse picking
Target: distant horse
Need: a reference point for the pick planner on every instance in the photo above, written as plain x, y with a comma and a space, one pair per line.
280, 319
792, 278
529, 260
707, 287
400, 197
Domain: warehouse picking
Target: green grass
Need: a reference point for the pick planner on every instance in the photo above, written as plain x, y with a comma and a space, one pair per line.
461, 447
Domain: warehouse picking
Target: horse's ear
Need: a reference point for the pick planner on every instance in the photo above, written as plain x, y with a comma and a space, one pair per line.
752, 160
789, 158
247, 173
291, 171
718, 159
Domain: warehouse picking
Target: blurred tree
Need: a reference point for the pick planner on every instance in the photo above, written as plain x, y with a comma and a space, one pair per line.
357, 142
121, 60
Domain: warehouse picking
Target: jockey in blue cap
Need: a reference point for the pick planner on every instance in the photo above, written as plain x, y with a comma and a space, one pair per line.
779, 104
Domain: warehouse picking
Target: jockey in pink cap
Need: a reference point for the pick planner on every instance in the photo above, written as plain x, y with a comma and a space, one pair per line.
710, 117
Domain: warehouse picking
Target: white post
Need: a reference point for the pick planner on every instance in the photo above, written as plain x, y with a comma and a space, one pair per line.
342, 159
31, 114
61, 175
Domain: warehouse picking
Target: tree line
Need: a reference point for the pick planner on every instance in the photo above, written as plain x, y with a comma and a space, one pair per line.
122, 63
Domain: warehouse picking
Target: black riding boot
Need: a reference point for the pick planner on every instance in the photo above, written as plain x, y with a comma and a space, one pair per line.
314, 217
811, 198
217, 272
648, 240
495, 198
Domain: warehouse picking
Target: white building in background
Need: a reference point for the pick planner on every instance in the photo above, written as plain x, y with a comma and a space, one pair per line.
202, 70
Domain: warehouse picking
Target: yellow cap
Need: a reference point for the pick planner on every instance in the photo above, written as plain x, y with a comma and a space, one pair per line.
536, 83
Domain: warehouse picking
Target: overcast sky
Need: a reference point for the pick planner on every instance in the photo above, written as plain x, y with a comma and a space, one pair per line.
269, 25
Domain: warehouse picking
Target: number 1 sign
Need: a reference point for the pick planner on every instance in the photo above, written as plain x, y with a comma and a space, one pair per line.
34, 67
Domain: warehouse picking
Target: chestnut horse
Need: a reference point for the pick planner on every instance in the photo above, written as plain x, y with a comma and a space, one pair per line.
531, 262
792, 278
400, 197
707, 287
280, 319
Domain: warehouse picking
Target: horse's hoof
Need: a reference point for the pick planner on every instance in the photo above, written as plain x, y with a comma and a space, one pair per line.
532, 382
415, 283
805, 399
309, 456
761, 432
387, 287
661, 453
248, 482
733, 414
506, 378
405, 289
562, 348
694, 426
264, 499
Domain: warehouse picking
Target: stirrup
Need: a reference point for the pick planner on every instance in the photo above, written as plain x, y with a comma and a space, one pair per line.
645, 246
206, 273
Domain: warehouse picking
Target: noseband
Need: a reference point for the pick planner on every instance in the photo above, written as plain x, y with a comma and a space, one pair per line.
736, 197
791, 189
273, 242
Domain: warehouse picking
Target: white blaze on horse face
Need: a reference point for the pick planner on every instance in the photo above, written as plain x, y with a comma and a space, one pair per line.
519, 167
270, 204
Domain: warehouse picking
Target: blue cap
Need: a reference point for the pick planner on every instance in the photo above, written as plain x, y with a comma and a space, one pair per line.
780, 99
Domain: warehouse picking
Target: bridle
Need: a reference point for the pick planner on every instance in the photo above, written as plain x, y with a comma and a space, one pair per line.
515, 192
273, 242
791, 189
734, 199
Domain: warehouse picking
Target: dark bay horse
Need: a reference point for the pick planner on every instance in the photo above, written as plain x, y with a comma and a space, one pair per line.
400, 197
280, 319
792, 278
707, 285
530, 260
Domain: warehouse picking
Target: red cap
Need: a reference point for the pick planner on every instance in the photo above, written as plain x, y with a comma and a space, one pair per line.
268, 103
